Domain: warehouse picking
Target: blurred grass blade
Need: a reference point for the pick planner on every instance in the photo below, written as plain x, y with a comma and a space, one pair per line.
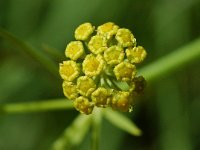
74, 134
47, 105
53, 52
36, 54
172, 62
122, 122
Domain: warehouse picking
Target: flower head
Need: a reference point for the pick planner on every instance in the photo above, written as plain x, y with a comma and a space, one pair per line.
101, 71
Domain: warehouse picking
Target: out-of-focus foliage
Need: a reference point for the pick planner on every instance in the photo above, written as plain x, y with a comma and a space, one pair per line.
169, 111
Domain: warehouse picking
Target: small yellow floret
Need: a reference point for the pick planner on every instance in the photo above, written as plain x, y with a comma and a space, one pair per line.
125, 37
107, 30
97, 44
125, 71
121, 101
69, 70
70, 90
84, 31
92, 65
83, 105
114, 55
136, 54
85, 85
101, 97
74, 50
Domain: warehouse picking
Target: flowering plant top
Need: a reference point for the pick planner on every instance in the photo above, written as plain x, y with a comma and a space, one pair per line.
100, 69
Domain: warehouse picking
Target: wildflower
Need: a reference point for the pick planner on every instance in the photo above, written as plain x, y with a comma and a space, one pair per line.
83, 105
97, 44
70, 90
84, 31
114, 55
93, 65
85, 85
125, 71
74, 50
101, 70
69, 70
136, 54
107, 30
125, 37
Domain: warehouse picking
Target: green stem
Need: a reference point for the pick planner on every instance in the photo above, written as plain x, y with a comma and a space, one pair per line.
36, 106
172, 62
113, 85
96, 125
36, 54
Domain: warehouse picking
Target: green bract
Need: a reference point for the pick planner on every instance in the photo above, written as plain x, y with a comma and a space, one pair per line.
100, 61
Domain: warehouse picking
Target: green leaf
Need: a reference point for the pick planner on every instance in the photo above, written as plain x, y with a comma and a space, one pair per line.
36, 106
122, 122
36, 54
172, 62
74, 134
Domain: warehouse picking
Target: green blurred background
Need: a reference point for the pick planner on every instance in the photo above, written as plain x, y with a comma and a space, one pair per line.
168, 113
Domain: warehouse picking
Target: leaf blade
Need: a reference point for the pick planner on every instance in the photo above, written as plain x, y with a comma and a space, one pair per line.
122, 122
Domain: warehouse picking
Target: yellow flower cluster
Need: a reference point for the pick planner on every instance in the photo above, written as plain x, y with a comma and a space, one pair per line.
99, 63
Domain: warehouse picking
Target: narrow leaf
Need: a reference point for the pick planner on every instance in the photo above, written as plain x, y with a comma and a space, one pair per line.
74, 134
122, 122
36, 54
172, 62
47, 105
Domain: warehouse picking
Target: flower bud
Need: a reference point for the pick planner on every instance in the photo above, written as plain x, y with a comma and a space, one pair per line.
136, 54
97, 44
125, 71
125, 37
93, 65
85, 85
74, 50
107, 29
83, 105
84, 31
114, 55
121, 101
69, 70
101, 97
70, 90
